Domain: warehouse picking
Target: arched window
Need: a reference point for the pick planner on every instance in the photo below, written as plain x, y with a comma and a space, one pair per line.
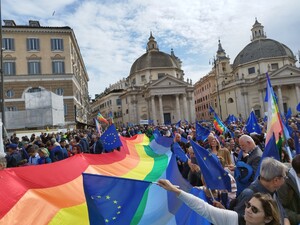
230, 100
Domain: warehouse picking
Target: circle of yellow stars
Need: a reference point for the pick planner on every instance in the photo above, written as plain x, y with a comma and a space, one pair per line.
115, 202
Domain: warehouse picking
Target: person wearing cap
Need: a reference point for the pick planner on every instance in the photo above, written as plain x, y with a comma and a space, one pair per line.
13, 156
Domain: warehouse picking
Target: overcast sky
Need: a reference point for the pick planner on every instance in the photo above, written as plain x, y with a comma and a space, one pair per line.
113, 34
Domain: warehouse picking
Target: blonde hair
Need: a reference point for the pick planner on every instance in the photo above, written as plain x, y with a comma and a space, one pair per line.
44, 151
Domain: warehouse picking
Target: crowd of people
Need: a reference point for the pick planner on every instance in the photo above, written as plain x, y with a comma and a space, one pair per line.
272, 197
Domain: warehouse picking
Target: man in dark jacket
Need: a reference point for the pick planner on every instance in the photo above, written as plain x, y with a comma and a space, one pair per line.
13, 156
289, 193
97, 147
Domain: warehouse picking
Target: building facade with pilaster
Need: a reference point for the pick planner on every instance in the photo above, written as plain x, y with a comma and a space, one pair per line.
156, 89
242, 84
40, 58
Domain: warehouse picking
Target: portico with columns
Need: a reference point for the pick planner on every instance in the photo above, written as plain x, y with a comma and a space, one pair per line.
170, 103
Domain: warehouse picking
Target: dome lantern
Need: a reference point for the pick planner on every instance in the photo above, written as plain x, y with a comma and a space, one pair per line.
257, 31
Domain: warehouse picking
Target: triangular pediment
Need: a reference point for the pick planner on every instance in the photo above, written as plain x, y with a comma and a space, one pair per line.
168, 81
285, 71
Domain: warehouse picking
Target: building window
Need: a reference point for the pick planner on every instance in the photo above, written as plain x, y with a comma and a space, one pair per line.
8, 44
57, 44
59, 91
11, 108
274, 66
34, 67
33, 44
118, 102
10, 93
160, 75
133, 81
9, 68
230, 100
58, 67
35, 89
143, 78
251, 70
65, 109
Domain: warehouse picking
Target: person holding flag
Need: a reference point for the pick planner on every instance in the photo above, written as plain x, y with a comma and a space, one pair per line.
261, 208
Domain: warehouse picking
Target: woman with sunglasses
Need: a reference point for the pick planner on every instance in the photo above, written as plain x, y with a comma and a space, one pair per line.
260, 210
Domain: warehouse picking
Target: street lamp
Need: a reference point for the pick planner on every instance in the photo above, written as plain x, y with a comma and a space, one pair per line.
216, 77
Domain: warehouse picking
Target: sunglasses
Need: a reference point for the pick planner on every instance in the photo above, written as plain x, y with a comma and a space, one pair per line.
253, 208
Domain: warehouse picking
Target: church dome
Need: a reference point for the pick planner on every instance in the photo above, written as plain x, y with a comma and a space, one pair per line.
261, 49
153, 58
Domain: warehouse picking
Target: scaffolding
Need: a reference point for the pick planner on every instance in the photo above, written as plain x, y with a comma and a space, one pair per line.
42, 109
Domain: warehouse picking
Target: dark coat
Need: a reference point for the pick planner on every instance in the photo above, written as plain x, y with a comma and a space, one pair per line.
290, 199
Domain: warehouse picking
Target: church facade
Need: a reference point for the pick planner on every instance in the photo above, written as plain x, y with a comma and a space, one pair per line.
156, 90
241, 86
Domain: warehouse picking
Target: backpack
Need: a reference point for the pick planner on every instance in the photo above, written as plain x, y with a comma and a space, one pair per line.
243, 175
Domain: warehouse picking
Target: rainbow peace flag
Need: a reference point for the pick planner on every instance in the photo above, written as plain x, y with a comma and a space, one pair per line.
274, 124
219, 125
100, 118
54, 194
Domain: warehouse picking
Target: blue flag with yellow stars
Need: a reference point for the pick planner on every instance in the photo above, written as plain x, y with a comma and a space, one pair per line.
213, 173
110, 138
178, 151
252, 124
271, 150
107, 200
201, 132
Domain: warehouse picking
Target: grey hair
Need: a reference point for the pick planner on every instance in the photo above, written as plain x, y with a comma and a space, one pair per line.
271, 168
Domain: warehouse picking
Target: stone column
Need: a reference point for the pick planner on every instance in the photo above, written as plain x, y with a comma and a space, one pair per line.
153, 110
177, 109
297, 93
191, 108
185, 108
246, 105
161, 111
262, 103
280, 101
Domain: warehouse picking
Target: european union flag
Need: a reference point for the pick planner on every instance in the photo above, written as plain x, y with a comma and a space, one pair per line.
297, 145
178, 124
298, 107
270, 151
214, 174
179, 152
110, 138
211, 110
156, 133
110, 200
186, 122
231, 119
288, 114
184, 140
201, 132
252, 124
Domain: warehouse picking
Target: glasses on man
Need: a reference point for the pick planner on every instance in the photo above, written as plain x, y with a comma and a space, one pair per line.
283, 176
253, 208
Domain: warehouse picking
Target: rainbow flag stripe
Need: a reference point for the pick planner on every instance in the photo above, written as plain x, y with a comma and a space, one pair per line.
51, 188
54, 194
